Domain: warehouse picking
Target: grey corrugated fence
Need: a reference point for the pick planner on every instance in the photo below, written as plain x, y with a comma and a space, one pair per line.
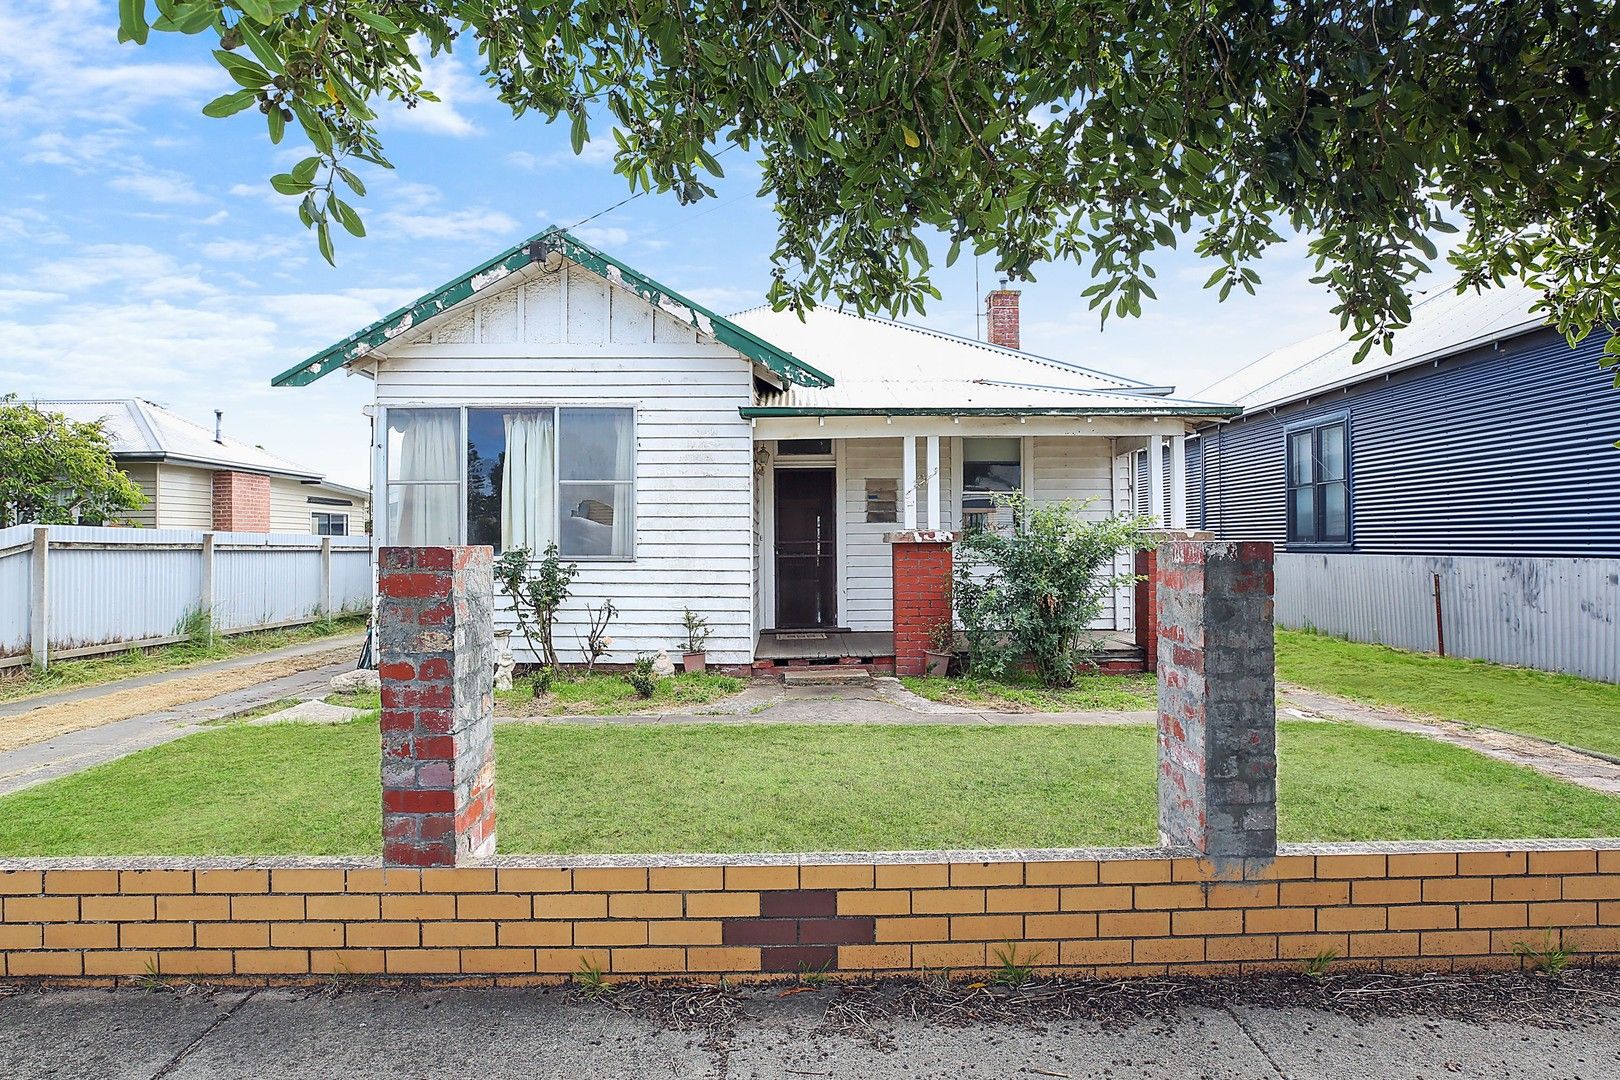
1552, 614
71, 590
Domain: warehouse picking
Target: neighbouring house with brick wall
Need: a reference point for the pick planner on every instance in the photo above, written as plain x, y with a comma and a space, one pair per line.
196, 478
797, 482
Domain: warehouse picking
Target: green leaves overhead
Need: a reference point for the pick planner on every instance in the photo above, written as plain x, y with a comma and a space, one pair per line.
1098, 131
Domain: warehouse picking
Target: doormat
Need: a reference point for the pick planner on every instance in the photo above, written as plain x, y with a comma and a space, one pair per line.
803, 635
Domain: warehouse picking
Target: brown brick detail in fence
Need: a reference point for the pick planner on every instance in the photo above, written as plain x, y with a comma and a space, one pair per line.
1385, 907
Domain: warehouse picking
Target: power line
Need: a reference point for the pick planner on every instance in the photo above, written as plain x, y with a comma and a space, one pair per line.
633, 196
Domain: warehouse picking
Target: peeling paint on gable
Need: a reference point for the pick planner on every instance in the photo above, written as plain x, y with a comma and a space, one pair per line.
534, 250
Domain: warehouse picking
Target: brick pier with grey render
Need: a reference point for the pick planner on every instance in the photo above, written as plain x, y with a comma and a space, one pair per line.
436, 658
1217, 698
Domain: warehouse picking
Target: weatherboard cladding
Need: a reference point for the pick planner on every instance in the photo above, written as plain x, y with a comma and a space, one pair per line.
538, 249
1505, 449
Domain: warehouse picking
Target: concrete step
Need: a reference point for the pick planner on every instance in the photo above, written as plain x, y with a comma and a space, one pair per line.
826, 676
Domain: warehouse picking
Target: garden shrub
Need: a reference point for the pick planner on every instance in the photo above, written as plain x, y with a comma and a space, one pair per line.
1030, 593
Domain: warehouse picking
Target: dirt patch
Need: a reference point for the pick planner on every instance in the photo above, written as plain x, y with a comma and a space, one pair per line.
49, 721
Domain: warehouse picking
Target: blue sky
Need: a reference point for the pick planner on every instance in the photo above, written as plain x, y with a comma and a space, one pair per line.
143, 253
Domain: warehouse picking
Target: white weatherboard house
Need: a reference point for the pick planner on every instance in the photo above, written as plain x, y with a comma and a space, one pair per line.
756, 468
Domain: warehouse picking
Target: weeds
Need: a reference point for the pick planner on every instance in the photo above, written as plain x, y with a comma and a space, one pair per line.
1012, 970
1549, 958
1317, 966
151, 982
590, 981
816, 976
540, 681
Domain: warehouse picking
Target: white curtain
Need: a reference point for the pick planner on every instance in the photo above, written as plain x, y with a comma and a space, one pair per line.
624, 517
528, 491
428, 450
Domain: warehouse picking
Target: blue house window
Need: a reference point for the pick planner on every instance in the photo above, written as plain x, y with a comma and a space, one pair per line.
1319, 481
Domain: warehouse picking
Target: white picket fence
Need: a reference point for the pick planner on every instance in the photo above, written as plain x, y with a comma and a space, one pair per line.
71, 590
1554, 614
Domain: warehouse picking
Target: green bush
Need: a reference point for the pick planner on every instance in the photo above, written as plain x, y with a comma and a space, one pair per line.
1029, 593
641, 677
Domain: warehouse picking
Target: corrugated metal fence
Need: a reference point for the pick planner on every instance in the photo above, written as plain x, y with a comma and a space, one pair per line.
1553, 614
70, 590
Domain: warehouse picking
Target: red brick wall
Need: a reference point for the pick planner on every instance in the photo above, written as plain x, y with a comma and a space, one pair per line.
1001, 307
241, 502
436, 658
922, 598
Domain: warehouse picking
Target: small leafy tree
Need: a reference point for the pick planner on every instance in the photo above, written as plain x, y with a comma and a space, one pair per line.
57, 471
536, 596
1031, 592
697, 630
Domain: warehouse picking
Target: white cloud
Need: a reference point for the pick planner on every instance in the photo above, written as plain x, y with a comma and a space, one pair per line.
452, 82
599, 151
468, 226
603, 235
159, 186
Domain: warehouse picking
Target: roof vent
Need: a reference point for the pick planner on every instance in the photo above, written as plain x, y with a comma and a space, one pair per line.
219, 423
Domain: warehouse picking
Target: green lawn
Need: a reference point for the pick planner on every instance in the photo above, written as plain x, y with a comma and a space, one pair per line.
67, 674
1562, 708
290, 789
1026, 694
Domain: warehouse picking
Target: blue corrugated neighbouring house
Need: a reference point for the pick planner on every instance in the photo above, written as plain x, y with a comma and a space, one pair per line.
1483, 433
1460, 495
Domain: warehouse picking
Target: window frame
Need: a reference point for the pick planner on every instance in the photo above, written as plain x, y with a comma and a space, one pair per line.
1315, 426
331, 517
963, 490
556, 407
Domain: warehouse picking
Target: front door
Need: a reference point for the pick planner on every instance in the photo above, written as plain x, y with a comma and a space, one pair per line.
806, 548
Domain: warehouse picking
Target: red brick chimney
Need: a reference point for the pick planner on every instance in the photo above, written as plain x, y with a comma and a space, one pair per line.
1001, 309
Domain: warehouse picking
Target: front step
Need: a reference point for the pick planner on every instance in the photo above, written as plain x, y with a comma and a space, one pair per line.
826, 676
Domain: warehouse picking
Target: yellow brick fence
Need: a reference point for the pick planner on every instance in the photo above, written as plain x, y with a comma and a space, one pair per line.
1438, 907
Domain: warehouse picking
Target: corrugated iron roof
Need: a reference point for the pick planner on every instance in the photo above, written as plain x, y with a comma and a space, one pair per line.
1443, 322
879, 366
143, 430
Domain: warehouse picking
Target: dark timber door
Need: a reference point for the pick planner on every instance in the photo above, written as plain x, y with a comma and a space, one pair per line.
806, 548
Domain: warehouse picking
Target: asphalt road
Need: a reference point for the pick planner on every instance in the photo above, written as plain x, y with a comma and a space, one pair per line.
537, 1033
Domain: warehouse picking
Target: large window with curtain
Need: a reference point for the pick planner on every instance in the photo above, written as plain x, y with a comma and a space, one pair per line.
520, 476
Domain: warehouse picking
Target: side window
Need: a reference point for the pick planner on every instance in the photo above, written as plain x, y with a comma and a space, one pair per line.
1319, 482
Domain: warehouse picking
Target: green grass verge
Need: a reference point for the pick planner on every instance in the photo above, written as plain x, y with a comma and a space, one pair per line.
91, 671
1562, 708
1025, 694
309, 789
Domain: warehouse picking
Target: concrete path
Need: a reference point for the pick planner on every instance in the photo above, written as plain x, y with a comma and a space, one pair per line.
1550, 759
494, 1034
73, 751
86, 693
882, 701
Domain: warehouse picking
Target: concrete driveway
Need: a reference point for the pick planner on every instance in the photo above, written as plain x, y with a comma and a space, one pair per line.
827, 1032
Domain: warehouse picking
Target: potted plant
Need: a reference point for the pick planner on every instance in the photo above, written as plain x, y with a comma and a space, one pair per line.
693, 658
941, 647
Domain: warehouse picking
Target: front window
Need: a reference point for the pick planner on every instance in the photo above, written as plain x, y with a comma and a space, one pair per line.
990, 467
1319, 482
534, 475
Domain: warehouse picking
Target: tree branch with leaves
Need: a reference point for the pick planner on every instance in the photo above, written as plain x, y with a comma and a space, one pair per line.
1098, 131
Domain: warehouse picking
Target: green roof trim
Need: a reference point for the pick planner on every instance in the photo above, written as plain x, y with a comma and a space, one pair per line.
535, 249
762, 412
